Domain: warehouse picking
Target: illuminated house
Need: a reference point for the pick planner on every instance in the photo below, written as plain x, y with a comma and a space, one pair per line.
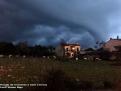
68, 50
111, 44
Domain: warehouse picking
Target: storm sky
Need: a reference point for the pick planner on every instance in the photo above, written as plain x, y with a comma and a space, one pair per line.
47, 22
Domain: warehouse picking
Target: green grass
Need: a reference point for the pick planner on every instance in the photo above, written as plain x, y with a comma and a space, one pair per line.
33, 70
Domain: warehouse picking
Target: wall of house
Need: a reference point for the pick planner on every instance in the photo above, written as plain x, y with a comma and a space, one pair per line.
65, 48
77, 48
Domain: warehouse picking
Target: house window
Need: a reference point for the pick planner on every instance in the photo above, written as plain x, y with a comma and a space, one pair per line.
66, 49
77, 49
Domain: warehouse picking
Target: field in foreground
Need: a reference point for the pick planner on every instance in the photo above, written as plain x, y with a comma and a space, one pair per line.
74, 74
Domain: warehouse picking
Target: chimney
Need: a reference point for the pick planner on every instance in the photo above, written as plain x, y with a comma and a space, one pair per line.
117, 37
110, 38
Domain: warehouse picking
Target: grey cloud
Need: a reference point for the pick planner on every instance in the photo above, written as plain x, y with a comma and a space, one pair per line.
48, 21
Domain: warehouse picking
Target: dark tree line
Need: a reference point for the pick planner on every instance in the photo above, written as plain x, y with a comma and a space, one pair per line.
104, 54
24, 49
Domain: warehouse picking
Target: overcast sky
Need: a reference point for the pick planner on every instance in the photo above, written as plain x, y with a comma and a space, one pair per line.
47, 22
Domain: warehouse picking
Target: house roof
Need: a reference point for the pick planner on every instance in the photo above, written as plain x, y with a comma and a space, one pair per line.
115, 39
113, 42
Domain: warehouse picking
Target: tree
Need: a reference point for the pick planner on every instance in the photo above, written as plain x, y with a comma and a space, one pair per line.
89, 49
104, 54
7, 48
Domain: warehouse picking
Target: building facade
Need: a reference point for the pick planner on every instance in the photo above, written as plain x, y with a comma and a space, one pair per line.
68, 50
112, 44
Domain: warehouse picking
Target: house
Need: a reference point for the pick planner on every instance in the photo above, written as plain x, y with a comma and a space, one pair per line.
111, 44
68, 50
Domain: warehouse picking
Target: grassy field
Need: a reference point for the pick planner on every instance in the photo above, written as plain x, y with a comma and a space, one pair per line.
39, 70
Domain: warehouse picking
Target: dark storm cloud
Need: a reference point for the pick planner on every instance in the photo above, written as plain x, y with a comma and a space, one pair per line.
49, 21
12, 20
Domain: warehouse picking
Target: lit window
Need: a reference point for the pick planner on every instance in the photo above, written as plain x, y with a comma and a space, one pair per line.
73, 48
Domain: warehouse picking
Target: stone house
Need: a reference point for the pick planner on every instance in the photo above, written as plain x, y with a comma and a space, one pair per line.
67, 50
